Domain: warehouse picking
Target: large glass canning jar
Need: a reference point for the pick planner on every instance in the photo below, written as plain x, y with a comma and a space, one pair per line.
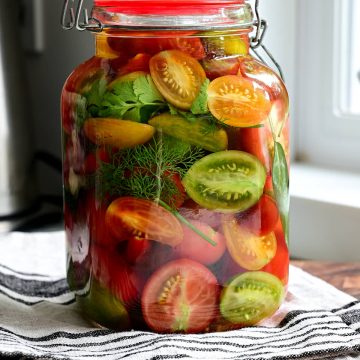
175, 153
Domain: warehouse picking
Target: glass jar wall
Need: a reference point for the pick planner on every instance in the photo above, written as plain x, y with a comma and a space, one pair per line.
175, 154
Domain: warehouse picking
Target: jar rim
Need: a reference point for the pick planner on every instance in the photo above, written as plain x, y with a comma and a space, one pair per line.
230, 15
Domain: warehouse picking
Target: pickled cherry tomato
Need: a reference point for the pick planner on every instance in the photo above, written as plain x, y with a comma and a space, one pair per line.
181, 296
177, 76
238, 102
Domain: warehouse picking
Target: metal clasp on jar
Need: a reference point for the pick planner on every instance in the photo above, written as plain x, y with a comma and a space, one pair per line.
71, 18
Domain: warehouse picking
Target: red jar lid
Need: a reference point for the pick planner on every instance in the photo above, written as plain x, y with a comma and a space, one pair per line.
166, 6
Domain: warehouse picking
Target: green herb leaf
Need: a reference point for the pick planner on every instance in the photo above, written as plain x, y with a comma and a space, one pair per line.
136, 100
146, 91
280, 178
123, 91
199, 105
151, 168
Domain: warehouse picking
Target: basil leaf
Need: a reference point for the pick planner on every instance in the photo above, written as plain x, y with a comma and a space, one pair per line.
280, 179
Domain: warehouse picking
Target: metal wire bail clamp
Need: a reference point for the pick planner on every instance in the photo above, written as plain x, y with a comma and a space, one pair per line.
91, 24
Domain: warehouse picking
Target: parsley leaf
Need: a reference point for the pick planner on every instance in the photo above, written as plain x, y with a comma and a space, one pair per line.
136, 100
146, 91
199, 106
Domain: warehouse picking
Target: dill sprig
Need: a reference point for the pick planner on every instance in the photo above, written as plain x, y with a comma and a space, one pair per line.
147, 171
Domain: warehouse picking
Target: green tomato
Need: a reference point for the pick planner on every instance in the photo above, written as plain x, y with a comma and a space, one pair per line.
100, 306
199, 133
251, 297
226, 181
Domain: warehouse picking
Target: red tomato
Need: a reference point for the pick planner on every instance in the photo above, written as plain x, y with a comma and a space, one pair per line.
85, 73
181, 296
196, 248
99, 232
143, 218
94, 159
279, 265
191, 46
136, 249
140, 62
262, 218
112, 272
220, 67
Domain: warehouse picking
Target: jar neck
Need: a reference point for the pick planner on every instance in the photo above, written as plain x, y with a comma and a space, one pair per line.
175, 17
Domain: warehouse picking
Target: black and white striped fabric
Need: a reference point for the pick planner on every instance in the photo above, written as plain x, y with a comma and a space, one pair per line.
39, 319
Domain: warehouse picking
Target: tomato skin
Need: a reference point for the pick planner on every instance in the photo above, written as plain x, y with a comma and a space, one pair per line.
85, 73
120, 134
238, 102
167, 67
221, 66
250, 251
136, 249
112, 272
139, 62
181, 296
94, 159
194, 247
144, 218
262, 218
279, 265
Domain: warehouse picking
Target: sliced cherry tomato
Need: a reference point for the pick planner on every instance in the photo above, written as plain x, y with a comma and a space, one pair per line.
177, 76
250, 251
220, 66
251, 297
191, 46
181, 296
145, 219
226, 181
194, 247
279, 265
120, 134
262, 218
113, 273
238, 102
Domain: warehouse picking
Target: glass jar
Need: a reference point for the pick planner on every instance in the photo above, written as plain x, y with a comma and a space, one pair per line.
175, 154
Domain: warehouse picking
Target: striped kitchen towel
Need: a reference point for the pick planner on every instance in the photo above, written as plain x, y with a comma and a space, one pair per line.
39, 319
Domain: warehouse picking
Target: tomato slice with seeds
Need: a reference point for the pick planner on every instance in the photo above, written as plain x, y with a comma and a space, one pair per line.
250, 251
238, 102
251, 297
226, 181
177, 76
181, 297
145, 219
